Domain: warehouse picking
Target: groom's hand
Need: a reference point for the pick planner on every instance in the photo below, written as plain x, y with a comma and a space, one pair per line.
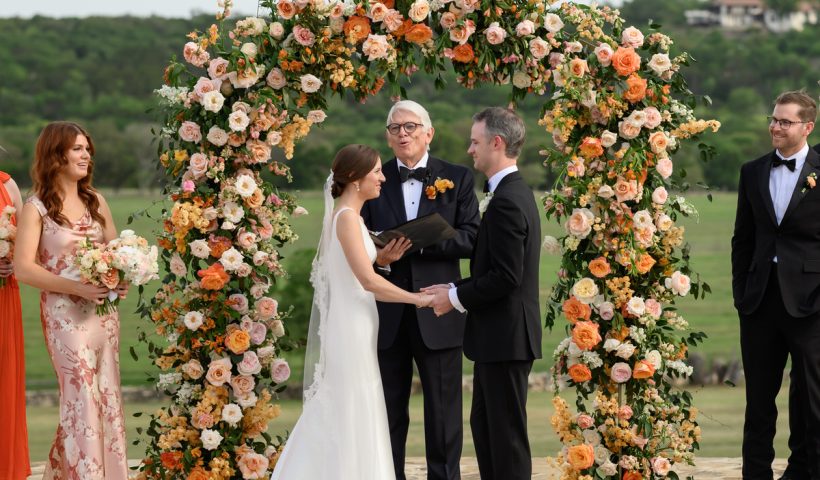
394, 250
441, 298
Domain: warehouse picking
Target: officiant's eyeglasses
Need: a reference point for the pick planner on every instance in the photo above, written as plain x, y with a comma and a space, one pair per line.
409, 127
784, 124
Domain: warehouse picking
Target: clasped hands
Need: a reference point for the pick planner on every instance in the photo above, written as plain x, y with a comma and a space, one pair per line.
439, 298
6, 268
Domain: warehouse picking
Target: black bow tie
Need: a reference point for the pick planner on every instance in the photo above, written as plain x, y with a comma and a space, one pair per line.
487, 186
790, 163
419, 174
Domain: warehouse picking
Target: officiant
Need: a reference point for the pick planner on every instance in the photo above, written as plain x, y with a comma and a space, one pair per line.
416, 185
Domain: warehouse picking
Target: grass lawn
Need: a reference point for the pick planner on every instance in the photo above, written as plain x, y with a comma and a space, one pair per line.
721, 421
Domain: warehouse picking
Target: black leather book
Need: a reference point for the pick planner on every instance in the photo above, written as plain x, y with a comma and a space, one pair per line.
422, 232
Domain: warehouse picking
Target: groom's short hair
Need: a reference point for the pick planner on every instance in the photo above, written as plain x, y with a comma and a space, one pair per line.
506, 124
412, 107
808, 107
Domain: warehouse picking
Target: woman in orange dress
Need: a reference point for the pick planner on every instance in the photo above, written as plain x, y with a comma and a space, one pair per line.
14, 442
84, 347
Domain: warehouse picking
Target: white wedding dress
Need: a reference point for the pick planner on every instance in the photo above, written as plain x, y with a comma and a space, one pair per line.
343, 432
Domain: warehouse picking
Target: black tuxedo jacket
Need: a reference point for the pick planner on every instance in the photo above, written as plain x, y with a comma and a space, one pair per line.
758, 239
434, 265
501, 294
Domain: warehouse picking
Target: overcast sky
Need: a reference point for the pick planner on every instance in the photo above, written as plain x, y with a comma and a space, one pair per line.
142, 8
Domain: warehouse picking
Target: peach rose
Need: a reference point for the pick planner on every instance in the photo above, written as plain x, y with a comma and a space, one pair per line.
664, 167
242, 385
218, 68
111, 278
599, 267
658, 142
259, 151
419, 10
357, 28
524, 28
460, 33
661, 466
584, 421
276, 79
495, 34
578, 67
213, 277
201, 419
190, 132
418, 34
591, 147
266, 308
193, 369
625, 412
632, 37
580, 457
580, 222
652, 117
238, 341
660, 63
375, 46
625, 190
539, 48
603, 52
632, 475
644, 263
285, 9
628, 129
253, 465
575, 310
585, 335
635, 88
219, 372
678, 283
393, 20
377, 12
579, 373
620, 372
448, 20
643, 369
625, 61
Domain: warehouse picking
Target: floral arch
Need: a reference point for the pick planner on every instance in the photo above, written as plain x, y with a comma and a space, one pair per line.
615, 107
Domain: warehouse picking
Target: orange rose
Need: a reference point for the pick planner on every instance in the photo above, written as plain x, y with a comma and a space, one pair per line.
198, 473
357, 28
111, 278
600, 267
632, 475
619, 335
591, 148
585, 335
643, 369
171, 460
213, 277
219, 245
580, 457
579, 373
575, 310
635, 88
418, 33
255, 200
625, 61
238, 341
430, 191
463, 53
644, 263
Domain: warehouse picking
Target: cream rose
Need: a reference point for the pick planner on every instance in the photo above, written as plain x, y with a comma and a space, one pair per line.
603, 52
231, 414
580, 222
635, 306
310, 83
375, 47
608, 138
193, 320
632, 37
660, 195
553, 22
652, 117
210, 439
495, 34
551, 245
678, 283
217, 136
524, 28
654, 358
238, 121
190, 132
660, 63
539, 48
219, 372
419, 10
276, 79
628, 129
585, 290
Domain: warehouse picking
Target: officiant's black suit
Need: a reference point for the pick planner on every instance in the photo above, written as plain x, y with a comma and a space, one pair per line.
779, 308
407, 333
503, 334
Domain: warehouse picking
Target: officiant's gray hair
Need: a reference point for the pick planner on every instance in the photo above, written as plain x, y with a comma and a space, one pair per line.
414, 108
506, 124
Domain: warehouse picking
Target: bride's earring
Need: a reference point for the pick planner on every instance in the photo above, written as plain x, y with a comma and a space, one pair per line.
357, 186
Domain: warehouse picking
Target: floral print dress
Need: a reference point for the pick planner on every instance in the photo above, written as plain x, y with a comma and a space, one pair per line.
84, 349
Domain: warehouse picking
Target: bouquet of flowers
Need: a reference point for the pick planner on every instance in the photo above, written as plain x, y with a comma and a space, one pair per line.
126, 258
7, 233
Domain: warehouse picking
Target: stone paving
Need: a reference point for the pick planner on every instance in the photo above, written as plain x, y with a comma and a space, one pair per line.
706, 469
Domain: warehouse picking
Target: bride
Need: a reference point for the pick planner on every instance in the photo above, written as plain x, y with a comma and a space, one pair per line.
343, 432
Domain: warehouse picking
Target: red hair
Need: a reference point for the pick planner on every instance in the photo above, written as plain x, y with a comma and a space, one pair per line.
54, 142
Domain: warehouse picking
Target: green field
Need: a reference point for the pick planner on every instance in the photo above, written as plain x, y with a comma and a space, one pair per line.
710, 252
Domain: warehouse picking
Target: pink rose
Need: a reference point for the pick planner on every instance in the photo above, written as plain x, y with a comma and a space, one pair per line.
660, 195
524, 28
205, 85
276, 79
303, 36
632, 37
653, 117
250, 364
242, 384
678, 283
375, 47
628, 129
280, 371
556, 59
448, 20
393, 20
377, 11
625, 412
259, 258
238, 302
219, 372
584, 421
218, 68
661, 466
198, 165
258, 290
495, 34
192, 369
606, 310
604, 54
194, 54
539, 48
190, 132
653, 308
621, 372
253, 466
664, 167
258, 333
579, 223
188, 186
266, 308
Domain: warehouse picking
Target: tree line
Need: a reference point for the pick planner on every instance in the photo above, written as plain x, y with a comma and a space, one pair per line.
102, 71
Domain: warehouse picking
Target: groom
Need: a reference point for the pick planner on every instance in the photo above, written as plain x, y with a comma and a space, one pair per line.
408, 334
776, 288
503, 334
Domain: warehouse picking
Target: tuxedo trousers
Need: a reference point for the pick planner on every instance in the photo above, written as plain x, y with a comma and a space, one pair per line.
499, 420
768, 336
440, 374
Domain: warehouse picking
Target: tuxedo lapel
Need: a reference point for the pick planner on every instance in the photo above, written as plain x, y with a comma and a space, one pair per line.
392, 190
763, 173
435, 170
812, 164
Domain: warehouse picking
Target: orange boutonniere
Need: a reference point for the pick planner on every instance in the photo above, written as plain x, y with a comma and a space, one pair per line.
441, 185
811, 182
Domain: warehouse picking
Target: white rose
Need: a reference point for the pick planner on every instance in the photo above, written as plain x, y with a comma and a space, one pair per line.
210, 439
521, 80
231, 259
654, 357
611, 344
200, 248
605, 191
310, 83
608, 468
232, 414
636, 306
553, 23
238, 121
660, 63
585, 290
551, 245
608, 138
193, 320
602, 454
643, 219
217, 136
249, 49
625, 350
277, 30
245, 185
233, 212
213, 101
591, 437
663, 222
678, 283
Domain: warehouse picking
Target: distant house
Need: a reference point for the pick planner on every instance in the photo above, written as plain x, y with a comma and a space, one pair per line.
743, 14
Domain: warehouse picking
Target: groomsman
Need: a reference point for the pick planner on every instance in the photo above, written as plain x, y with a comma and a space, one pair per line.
408, 335
776, 289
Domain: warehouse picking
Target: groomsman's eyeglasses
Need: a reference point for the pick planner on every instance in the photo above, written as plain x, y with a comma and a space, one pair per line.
784, 124
409, 127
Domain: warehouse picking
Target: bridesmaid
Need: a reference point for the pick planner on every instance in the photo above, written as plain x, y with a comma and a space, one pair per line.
84, 347
14, 442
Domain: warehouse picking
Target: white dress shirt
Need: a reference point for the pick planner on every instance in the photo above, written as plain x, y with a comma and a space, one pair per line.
493, 184
412, 189
782, 183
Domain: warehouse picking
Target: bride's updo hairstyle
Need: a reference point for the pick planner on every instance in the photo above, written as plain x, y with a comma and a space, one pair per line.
352, 162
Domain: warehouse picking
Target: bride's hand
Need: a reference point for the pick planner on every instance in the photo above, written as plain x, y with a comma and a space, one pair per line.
423, 300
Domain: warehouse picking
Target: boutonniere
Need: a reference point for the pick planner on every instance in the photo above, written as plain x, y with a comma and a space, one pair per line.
441, 185
485, 202
811, 182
